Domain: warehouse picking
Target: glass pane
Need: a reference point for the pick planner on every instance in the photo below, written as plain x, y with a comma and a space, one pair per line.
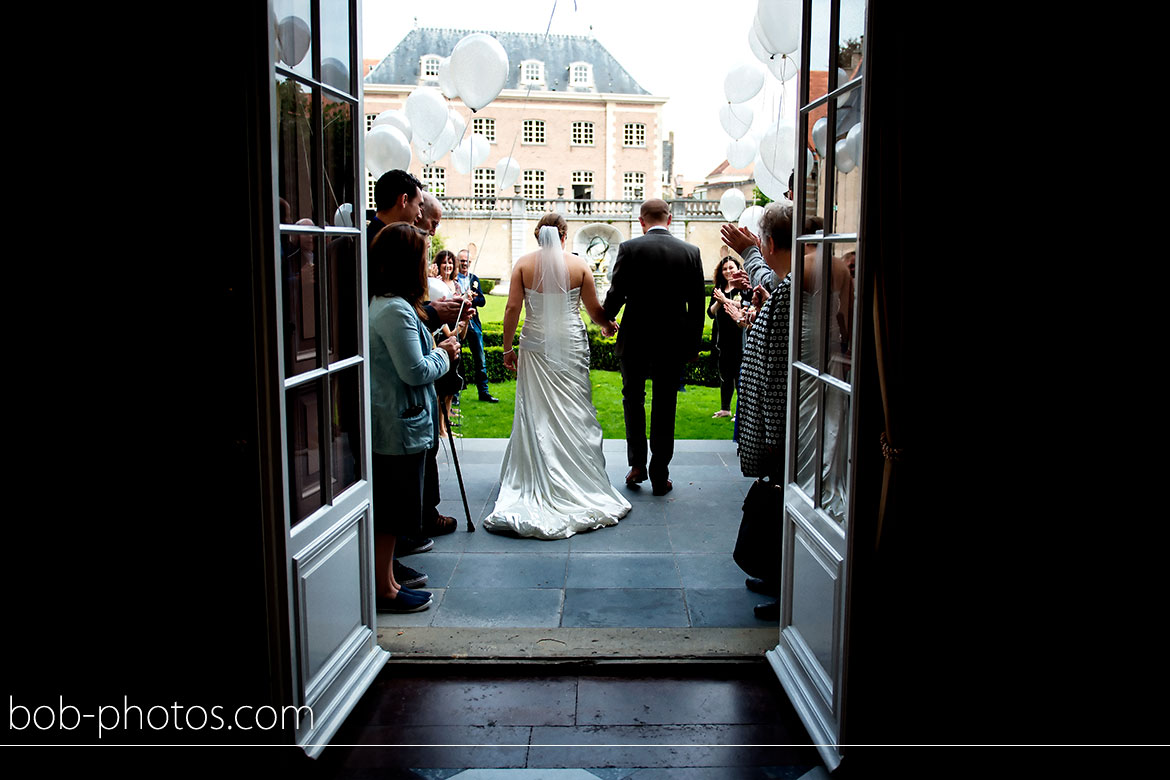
806, 431
299, 261
849, 37
346, 428
294, 102
847, 163
835, 471
304, 450
819, 37
337, 136
841, 309
345, 311
336, 65
810, 302
294, 35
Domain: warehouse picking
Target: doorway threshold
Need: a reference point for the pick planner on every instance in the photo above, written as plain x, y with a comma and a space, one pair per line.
424, 644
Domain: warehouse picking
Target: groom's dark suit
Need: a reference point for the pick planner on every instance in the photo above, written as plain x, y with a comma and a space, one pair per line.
659, 278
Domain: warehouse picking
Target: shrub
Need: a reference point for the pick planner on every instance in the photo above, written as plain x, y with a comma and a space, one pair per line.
486, 285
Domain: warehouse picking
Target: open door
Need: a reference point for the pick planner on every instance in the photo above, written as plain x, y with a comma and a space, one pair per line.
321, 554
810, 656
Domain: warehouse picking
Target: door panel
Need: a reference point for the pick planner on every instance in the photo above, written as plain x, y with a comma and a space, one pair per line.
810, 656
321, 330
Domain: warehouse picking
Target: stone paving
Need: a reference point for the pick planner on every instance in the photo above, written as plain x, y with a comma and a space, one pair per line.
666, 564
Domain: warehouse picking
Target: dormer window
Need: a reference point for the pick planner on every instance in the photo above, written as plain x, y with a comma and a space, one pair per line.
531, 72
429, 66
581, 74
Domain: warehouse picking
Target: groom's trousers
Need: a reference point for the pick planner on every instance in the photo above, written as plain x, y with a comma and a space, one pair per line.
663, 373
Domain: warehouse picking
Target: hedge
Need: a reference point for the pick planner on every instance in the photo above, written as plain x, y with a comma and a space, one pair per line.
704, 371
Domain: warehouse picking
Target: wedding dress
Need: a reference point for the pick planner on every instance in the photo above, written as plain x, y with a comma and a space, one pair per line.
553, 482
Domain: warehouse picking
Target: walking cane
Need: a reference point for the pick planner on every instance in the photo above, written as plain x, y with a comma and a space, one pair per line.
454, 455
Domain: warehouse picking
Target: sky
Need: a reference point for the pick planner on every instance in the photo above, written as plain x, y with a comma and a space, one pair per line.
680, 49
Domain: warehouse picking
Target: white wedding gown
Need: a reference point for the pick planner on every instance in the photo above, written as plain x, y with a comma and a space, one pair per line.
552, 481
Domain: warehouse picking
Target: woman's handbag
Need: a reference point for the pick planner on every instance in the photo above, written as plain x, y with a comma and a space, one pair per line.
757, 549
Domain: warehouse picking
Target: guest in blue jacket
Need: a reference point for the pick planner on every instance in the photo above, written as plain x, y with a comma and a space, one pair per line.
404, 364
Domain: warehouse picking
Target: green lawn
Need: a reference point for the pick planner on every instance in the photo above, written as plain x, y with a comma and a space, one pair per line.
494, 421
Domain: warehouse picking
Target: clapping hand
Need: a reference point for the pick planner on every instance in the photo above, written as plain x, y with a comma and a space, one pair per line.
739, 239
739, 280
759, 296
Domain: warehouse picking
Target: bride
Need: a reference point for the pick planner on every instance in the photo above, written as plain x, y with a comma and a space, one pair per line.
553, 482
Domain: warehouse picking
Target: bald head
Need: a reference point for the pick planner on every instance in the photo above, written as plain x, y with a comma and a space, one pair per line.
430, 214
655, 213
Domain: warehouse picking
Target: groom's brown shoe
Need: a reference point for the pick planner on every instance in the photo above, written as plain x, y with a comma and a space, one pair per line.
637, 474
662, 488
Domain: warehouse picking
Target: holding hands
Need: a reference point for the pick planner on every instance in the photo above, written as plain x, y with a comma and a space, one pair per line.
609, 328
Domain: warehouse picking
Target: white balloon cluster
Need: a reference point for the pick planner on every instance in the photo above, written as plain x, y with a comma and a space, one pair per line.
475, 72
774, 38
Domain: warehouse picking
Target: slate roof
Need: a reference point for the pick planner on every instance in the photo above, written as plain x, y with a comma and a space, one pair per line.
401, 65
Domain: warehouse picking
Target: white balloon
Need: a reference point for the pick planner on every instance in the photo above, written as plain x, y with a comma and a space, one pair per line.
458, 126
395, 118
507, 171
743, 82
779, 28
470, 152
343, 217
427, 112
447, 139
845, 161
820, 132
480, 148
736, 119
732, 204
479, 67
750, 219
778, 150
756, 46
294, 37
428, 154
446, 80
770, 185
853, 142
386, 150
741, 151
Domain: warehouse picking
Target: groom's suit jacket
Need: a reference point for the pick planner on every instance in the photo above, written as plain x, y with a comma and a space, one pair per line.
660, 280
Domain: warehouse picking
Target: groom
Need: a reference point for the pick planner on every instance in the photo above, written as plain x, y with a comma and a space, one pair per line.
660, 281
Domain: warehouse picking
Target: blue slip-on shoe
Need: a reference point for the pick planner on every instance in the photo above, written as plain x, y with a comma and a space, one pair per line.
405, 601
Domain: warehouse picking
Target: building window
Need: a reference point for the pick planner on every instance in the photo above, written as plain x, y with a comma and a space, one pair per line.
533, 131
582, 134
534, 188
435, 179
635, 134
483, 184
532, 72
430, 66
633, 185
485, 127
582, 185
581, 74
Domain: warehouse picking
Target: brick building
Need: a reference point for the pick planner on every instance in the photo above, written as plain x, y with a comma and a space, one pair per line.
570, 114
